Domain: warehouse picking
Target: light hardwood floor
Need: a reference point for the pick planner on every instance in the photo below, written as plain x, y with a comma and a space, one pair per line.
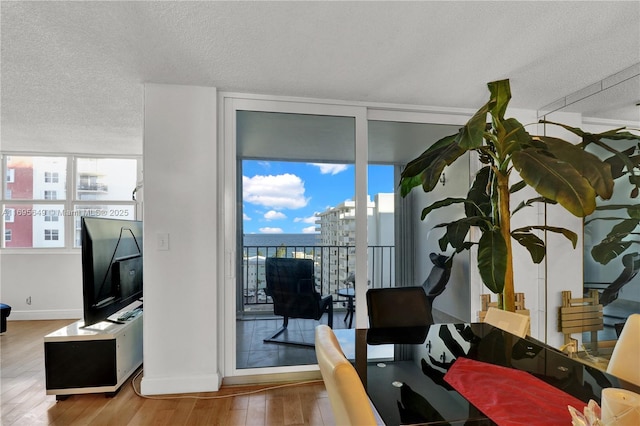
24, 399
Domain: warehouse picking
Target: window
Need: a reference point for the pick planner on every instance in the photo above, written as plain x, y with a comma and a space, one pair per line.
51, 177
51, 235
42, 206
30, 174
9, 215
7, 235
51, 216
105, 179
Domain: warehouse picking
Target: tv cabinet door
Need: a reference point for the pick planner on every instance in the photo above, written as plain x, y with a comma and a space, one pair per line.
80, 364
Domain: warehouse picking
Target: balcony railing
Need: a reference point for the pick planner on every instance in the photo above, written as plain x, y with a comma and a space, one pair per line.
97, 187
333, 265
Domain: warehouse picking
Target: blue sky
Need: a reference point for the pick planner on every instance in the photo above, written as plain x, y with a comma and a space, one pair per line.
282, 197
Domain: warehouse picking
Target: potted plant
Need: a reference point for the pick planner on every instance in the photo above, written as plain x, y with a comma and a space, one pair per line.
559, 171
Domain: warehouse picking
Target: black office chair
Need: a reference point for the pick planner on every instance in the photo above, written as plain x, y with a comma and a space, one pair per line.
291, 285
438, 278
398, 307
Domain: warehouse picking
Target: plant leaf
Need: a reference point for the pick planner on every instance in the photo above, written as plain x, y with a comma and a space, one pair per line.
408, 183
430, 164
471, 135
606, 251
441, 203
532, 243
457, 231
517, 186
555, 179
570, 235
613, 245
529, 203
492, 260
516, 137
618, 165
480, 202
500, 96
596, 171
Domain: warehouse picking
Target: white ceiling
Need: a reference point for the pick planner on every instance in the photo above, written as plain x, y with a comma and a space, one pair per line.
73, 72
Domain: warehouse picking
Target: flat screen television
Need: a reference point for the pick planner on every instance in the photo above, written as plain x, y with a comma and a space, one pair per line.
111, 266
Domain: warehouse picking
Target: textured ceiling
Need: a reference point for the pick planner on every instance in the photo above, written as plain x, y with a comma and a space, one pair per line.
73, 72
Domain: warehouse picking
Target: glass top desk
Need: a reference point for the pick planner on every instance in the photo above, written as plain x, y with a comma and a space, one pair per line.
410, 388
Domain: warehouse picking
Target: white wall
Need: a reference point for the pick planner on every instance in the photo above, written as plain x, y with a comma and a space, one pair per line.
180, 297
564, 264
52, 281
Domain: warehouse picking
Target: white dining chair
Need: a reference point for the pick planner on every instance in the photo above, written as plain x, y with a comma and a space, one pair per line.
349, 400
625, 359
512, 322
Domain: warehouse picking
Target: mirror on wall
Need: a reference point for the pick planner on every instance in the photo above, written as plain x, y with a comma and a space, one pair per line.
611, 242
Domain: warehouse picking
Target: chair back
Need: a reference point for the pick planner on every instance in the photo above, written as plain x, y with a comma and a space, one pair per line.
349, 401
398, 307
625, 358
291, 285
508, 321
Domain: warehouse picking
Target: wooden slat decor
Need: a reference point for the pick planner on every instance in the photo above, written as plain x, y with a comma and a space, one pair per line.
486, 303
578, 315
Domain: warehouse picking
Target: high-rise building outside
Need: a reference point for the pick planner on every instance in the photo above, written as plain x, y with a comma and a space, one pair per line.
337, 229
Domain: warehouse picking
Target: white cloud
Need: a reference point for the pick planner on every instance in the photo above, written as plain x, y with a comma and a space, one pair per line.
309, 230
333, 169
310, 219
269, 230
277, 192
274, 215
245, 217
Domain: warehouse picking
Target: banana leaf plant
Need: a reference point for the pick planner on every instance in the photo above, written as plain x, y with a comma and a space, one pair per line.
559, 171
626, 217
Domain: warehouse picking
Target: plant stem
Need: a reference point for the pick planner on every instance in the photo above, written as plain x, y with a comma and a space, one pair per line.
505, 229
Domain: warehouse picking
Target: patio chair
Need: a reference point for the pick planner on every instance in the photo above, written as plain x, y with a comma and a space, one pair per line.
291, 285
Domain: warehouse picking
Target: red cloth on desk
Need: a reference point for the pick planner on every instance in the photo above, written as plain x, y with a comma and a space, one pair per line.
511, 397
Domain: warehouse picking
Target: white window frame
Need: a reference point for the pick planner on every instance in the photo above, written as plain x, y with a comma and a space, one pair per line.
70, 201
8, 232
231, 105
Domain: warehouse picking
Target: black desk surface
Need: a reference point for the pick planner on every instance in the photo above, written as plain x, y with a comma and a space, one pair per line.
410, 388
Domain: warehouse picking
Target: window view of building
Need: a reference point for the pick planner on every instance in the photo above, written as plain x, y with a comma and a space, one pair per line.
332, 247
37, 211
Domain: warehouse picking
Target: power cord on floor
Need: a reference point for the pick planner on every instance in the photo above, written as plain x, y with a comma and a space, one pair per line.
286, 385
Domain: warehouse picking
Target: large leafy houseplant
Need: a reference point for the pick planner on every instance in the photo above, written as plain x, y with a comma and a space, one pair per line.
559, 171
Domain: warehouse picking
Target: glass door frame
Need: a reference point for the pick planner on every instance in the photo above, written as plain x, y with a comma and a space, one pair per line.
228, 187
